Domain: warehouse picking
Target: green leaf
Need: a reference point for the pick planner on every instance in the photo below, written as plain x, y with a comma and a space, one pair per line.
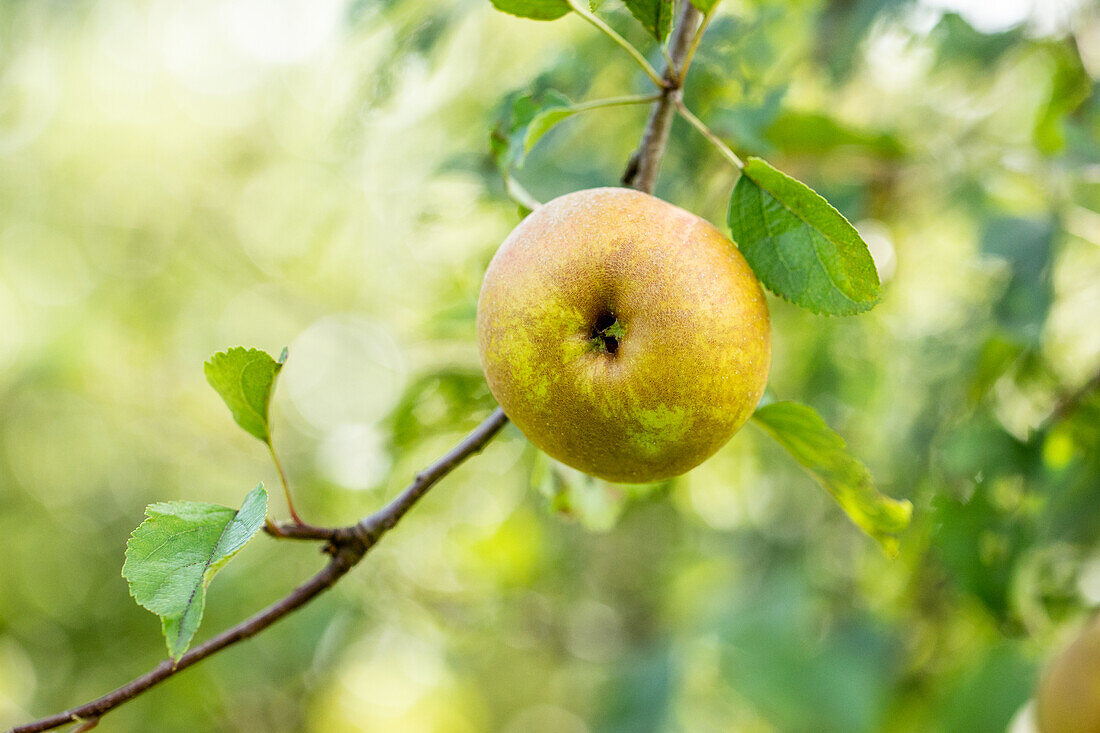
175, 553
596, 504
533, 9
799, 246
654, 15
1071, 86
811, 133
541, 125
525, 118
824, 455
245, 378
524, 121
704, 6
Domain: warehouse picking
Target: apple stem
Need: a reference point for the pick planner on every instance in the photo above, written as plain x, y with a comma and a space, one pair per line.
644, 166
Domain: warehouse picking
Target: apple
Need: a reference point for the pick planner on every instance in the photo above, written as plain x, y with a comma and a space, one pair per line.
624, 336
1069, 692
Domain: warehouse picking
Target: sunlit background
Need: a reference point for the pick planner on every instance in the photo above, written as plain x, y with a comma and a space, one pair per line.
179, 176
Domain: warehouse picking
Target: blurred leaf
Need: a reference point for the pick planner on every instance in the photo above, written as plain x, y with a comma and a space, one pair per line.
512, 133
747, 122
596, 504
245, 378
824, 455
844, 25
541, 125
1026, 245
654, 15
978, 543
958, 42
980, 517
802, 674
1070, 85
440, 401
175, 553
533, 9
980, 447
640, 693
990, 692
524, 119
809, 133
555, 108
996, 356
799, 246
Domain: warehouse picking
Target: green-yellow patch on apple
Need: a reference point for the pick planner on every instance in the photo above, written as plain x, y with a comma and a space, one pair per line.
624, 336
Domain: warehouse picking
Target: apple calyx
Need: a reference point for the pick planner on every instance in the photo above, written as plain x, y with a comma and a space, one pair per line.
607, 332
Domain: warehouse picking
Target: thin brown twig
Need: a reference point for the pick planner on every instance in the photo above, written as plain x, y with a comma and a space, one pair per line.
346, 545
685, 64
322, 581
645, 164
1069, 403
293, 531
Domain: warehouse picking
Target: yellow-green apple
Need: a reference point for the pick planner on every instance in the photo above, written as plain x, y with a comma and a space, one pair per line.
1069, 692
624, 336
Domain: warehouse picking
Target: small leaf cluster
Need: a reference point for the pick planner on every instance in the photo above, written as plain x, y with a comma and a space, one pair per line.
172, 557
654, 15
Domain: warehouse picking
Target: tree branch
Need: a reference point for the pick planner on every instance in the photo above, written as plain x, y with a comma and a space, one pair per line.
348, 545
340, 564
371, 529
644, 166
1070, 402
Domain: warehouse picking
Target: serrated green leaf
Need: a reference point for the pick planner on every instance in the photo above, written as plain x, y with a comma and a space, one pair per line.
824, 455
245, 378
654, 15
533, 9
799, 246
175, 553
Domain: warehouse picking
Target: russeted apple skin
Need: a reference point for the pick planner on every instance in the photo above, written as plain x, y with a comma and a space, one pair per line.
686, 370
1069, 692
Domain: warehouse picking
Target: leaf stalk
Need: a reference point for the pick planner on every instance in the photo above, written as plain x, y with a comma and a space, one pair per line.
701, 126
625, 44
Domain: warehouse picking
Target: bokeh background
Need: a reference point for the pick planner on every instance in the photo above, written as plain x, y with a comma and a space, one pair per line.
179, 176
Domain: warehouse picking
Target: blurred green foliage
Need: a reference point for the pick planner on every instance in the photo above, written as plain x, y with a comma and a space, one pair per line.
179, 177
